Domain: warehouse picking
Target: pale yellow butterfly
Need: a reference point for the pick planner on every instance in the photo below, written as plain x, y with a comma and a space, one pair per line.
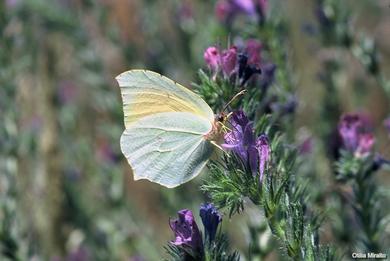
169, 129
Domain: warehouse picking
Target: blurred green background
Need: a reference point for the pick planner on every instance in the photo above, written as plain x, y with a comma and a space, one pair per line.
66, 190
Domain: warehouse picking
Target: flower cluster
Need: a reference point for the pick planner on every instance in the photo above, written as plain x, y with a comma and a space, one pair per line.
227, 10
243, 62
187, 235
218, 60
356, 135
254, 153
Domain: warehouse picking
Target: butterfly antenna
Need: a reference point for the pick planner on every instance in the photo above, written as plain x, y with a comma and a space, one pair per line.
232, 99
216, 145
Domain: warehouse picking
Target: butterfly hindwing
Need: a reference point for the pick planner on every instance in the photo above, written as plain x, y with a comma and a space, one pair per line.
167, 148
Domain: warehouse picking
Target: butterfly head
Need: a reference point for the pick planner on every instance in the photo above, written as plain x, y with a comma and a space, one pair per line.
218, 129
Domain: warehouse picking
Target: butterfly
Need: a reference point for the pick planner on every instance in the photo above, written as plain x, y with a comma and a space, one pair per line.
170, 131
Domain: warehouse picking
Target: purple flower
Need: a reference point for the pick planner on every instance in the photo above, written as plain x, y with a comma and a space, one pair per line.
349, 131
241, 140
246, 64
366, 143
229, 60
264, 151
210, 219
225, 60
241, 137
186, 232
356, 135
212, 58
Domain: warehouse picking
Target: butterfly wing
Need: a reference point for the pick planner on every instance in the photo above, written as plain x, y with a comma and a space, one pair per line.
146, 92
167, 148
166, 124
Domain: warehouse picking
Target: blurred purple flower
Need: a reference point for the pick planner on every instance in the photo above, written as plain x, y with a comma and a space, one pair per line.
366, 143
245, 70
186, 231
79, 254
264, 151
253, 50
223, 11
210, 219
356, 135
67, 91
186, 10
212, 58
322, 18
387, 124
263, 4
11, 3
262, 10
227, 10
246, 63
229, 60
306, 146
349, 131
226, 60
245, 6
105, 152
268, 75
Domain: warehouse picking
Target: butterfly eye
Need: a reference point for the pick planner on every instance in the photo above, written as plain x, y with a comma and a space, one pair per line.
221, 117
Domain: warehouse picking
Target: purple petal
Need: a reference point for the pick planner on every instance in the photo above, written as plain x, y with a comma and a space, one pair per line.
263, 4
224, 10
253, 50
349, 128
253, 159
212, 58
246, 6
248, 137
240, 118
210, 219
264, 151
366, 143
186, 231
229, 61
